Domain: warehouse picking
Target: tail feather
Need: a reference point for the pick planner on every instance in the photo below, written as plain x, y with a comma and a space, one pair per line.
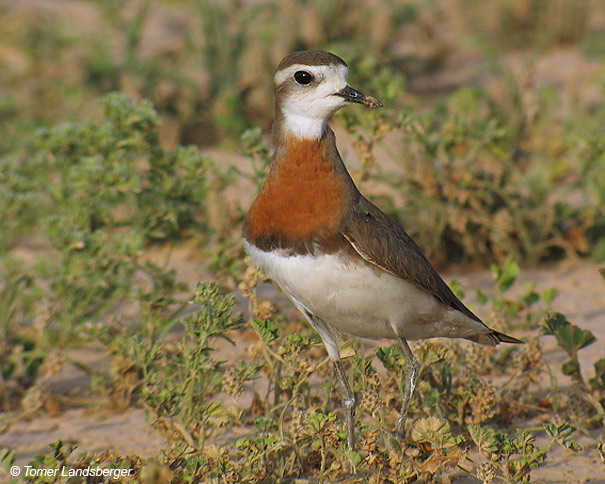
504, 338
493, 338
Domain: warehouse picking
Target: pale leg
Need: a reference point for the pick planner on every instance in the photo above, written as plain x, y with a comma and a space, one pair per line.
330, 341
348, 401
410, 377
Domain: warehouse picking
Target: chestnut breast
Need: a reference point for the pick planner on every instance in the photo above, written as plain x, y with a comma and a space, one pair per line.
304, 197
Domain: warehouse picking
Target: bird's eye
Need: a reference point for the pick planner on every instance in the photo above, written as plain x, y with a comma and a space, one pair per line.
303, 77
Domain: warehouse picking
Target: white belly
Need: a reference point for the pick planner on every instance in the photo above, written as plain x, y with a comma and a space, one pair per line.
359, 299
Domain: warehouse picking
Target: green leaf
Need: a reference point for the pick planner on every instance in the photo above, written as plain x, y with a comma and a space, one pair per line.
549, 294
431, 398
573, 338
436, 432
7, 457
484, 438
243, 443
531, 298
562, 433
598, 382
266, 329
354, 457
457, 288
506, 275
265, 424
552, 322
482, 297
390, 358
571, 367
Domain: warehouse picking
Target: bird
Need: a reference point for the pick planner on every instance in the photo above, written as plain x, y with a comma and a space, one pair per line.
346, 266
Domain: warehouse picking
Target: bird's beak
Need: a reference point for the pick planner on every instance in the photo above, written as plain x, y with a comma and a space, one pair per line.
354, 96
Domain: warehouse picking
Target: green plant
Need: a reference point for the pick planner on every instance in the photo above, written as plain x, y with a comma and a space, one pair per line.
516, 454
459, 169
508, 171
518, 23
20, 353
178, 380
434, 439
103, 191
100, 194
526, 307
571, 338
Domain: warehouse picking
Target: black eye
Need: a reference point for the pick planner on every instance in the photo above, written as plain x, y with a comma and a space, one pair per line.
303, 77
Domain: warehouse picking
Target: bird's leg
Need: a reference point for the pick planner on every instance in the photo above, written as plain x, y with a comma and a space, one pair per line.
410, 377
330, 341
348, 400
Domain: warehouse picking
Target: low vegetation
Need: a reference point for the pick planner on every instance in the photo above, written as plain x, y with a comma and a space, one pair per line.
95, 181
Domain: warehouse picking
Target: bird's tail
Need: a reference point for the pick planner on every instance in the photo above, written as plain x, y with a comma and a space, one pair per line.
504, 338
493, 338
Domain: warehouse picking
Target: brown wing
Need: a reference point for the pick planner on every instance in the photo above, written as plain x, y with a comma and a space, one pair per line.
381, 241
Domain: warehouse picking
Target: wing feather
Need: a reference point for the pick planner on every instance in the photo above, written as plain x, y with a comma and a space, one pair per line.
379, 240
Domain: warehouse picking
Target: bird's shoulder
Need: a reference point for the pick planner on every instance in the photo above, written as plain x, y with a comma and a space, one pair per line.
381, 241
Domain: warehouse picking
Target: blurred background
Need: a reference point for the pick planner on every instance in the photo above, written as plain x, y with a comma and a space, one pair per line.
135, 134
494, 110
207, 66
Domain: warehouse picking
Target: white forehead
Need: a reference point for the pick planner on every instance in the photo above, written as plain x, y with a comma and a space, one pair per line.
330, 71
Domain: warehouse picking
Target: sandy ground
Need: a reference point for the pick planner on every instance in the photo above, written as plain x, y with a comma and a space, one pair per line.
95, 428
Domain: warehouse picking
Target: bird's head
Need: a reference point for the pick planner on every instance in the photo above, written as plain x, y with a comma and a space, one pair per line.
310, 86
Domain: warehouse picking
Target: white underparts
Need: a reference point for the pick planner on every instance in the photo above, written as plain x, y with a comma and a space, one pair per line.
357, 298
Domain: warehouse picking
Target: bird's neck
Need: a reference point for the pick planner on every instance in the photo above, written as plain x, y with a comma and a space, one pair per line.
317, 155
300, 127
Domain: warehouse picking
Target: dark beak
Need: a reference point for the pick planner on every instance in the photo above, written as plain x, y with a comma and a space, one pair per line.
354, 96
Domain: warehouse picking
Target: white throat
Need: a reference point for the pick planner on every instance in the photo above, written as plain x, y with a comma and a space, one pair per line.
303, 127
